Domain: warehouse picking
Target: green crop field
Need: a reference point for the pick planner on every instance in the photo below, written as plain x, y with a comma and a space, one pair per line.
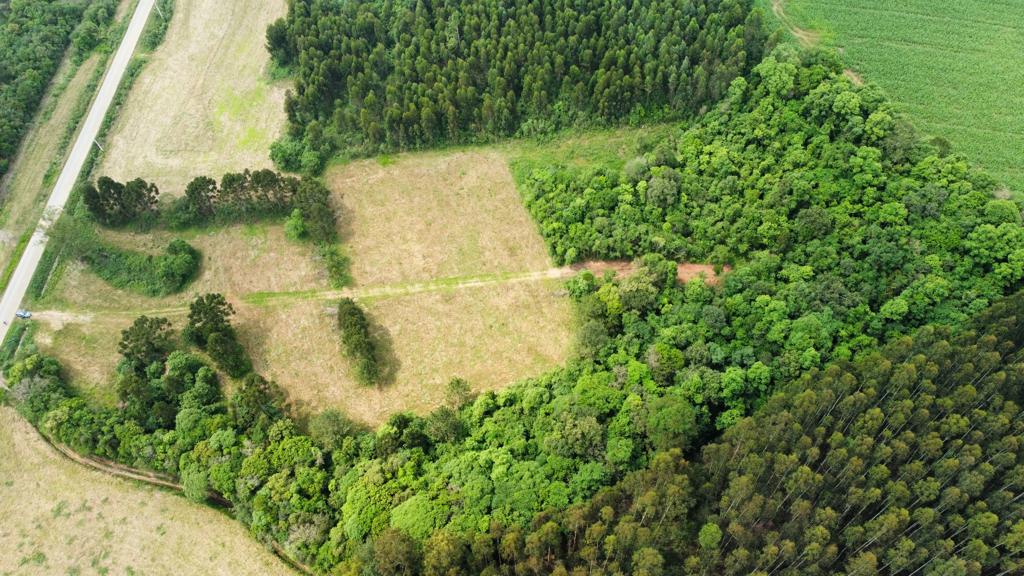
955, 66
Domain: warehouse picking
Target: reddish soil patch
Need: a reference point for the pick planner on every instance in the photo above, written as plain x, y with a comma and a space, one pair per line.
853, 77
685, 271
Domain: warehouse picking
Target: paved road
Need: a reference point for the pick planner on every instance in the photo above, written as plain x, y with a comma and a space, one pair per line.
69, 175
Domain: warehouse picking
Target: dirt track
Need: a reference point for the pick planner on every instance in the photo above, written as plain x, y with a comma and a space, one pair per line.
685, 272
806, 37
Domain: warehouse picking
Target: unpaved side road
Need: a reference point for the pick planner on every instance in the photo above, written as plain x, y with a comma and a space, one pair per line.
18, 285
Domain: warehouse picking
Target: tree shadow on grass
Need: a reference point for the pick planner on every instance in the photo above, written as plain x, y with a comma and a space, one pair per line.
384, 345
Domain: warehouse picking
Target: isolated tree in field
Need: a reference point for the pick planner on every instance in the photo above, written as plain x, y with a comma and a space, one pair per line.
356, 339
457, 393
208, 314
146, 341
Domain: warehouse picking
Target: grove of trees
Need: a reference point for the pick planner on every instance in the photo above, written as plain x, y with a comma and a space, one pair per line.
357, 341
33, 38
396, 74
845, 231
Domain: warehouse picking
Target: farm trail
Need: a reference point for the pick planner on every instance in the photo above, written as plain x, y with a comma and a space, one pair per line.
806, 37
685, 272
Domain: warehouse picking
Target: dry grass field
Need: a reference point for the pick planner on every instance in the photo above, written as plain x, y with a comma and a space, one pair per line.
62, 518
491, 335
447, 261
202, 105
445, 258
434, 215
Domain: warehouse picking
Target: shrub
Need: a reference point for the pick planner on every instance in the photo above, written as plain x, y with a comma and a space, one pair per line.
145, 274
229, 355
356, 339
338, 264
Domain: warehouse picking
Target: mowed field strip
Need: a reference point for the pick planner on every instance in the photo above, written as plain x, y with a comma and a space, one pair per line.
203, 104
64, 518
956, 67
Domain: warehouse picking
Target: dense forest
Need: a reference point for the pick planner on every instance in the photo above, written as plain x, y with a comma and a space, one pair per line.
33, 37
397, 74
845, 230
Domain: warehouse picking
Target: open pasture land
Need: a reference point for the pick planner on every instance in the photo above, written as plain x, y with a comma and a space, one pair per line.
434, 215
955, 66
491, 335
203, 104
63, 518
82, 316
447, 262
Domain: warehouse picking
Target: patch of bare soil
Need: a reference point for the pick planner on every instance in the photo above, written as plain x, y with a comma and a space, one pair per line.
804, 36
685, 271
853, 77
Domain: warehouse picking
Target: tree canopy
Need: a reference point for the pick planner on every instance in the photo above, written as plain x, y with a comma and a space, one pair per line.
33, 38
397, 74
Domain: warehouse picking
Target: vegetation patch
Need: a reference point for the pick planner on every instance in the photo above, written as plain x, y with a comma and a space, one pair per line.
948, 66
917, 235
357, 341
147, 274
479, 72
33, 37
171, 127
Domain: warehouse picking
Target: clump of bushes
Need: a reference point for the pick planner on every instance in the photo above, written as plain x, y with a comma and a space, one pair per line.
146, 274
239, 197
356, 339
209, 328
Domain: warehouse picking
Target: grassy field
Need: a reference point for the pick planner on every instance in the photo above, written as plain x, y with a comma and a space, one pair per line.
203, 104
434, 215
447, 261
62, 518
956, 67
490, 335
439, 242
